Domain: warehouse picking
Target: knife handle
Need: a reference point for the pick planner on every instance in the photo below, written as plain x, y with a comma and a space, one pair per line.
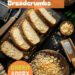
6, 26
73, 62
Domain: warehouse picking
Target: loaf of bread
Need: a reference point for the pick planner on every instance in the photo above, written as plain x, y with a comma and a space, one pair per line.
37, 22
10, 50
47, 15
18, 38
30, 33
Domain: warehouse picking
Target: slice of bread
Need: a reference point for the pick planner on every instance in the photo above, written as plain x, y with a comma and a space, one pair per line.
37, 22
8, 49
47, 15
30, 33
18, 38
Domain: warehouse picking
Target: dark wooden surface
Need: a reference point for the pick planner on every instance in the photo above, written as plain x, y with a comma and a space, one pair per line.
49, 43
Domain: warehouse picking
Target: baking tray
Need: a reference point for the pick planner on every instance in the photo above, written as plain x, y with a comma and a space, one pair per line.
29, 53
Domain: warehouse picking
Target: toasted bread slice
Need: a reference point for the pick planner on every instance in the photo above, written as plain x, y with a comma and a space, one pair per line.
18, 38
30, 33
37, 22
48, 16
8, 49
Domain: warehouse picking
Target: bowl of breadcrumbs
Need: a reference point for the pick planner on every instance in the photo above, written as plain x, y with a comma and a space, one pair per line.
49, 62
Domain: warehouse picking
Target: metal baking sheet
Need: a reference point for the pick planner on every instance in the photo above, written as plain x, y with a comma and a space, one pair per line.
43, 37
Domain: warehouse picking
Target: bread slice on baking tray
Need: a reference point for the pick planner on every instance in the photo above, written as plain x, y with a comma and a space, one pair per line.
10, 50
48, 16
30, 33
18, 38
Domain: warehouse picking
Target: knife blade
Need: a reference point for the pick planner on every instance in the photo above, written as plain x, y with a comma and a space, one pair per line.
9, 23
